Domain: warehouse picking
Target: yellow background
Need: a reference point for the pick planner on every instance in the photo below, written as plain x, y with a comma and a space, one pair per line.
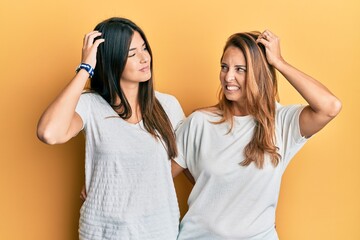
40, 47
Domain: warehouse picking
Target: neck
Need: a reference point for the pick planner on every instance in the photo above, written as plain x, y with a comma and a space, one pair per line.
240, 109
131, 92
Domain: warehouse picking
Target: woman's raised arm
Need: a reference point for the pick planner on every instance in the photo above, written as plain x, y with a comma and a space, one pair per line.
60, 122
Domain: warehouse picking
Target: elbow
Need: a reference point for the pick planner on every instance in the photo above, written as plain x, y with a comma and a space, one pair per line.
334, 108
45, 136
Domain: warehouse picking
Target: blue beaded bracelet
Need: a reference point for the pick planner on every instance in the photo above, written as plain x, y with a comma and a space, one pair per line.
87, 68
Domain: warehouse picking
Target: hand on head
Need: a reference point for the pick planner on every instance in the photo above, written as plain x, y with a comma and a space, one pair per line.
272, 47
90, 47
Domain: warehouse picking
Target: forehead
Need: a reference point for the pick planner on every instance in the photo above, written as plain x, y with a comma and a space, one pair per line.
136, 40
234, 55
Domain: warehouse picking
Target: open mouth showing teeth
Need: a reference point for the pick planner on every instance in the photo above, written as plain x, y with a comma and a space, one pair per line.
232, 88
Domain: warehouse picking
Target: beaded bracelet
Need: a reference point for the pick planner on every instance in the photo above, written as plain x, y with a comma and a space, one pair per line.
87, 68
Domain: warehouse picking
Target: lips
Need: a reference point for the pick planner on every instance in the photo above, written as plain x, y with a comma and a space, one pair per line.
232, 87
145, 69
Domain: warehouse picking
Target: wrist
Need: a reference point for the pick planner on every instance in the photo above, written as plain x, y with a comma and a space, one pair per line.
279, 64
87, 67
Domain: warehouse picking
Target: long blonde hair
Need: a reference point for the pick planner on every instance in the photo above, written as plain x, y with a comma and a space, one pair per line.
261, 96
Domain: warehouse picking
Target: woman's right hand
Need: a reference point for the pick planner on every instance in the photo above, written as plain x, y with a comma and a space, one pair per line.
90, 47
60, 122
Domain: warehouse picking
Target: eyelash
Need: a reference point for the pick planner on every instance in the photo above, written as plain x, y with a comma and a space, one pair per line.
238, 69
241, 69
223, 68
144, 49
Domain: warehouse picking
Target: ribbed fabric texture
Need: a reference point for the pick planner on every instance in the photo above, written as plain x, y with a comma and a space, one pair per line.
130, 191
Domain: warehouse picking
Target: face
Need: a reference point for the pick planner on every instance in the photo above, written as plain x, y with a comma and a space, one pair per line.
232, 75
137, 68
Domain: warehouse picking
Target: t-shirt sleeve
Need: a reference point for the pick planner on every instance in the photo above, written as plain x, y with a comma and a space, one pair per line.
182, 140
83, 108
189, 136
172, 108
288, 130
177, 114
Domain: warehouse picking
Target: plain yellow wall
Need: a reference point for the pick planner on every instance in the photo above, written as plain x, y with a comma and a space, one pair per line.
40, 47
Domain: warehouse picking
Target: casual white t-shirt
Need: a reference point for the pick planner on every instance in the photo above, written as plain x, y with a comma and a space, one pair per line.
230, 201
130, 191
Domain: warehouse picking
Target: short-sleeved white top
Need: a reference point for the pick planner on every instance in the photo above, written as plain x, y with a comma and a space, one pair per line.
130, 190
230, 201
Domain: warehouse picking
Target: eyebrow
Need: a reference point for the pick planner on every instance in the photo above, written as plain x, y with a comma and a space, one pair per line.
132, 49
240, 66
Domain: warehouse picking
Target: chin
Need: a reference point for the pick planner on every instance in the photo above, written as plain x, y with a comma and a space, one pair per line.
232, 98
147, 78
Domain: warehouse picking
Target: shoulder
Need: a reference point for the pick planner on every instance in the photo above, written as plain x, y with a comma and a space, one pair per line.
90, 96
166, 99
171, 107
202, 116
197, 123
170, 104
293, 109
209, 113
92, 102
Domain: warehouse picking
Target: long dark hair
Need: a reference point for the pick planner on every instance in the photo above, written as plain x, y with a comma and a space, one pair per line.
110, 63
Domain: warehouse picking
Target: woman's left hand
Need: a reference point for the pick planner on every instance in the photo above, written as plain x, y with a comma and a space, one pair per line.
83, 194
272, 47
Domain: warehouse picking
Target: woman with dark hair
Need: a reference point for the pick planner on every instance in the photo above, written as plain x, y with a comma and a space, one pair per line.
129, 130
238, 150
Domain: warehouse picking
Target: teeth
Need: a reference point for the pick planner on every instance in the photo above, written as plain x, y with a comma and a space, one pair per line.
232, 88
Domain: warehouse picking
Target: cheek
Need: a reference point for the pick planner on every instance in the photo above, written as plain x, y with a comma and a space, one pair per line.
148, 56
129, 67
241, 78
221, 77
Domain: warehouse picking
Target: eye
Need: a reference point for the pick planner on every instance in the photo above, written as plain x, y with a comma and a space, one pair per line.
131, 55
240, 69
224, 68
145, 48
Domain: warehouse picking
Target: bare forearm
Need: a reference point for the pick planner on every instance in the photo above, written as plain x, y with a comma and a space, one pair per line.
59, 122
323, 105
319, 98
55, 123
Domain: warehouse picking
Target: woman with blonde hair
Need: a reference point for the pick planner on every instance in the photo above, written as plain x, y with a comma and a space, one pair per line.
238, 150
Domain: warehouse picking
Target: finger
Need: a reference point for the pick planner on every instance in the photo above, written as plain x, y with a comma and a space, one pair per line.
98, 42
259, 37
267, 35
263, 41
89, 38
263, 36
87, 35
83, 195
270, 35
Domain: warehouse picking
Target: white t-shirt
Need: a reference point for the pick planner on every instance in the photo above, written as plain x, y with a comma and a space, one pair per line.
229, 201
130, 190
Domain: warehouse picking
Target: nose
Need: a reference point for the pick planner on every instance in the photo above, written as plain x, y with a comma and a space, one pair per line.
229, 79
230, 76
144, 58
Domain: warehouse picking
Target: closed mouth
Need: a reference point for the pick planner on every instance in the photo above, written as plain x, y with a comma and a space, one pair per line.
145, 69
